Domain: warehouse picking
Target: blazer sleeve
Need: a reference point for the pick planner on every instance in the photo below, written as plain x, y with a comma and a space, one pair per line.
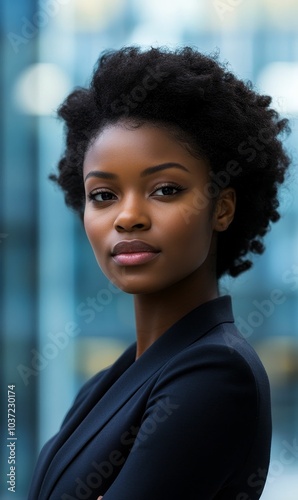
196, 431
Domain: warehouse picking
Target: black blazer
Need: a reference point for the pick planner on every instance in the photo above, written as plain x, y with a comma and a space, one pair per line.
190, 419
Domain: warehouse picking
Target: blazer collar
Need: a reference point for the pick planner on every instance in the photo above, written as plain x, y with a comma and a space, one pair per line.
126, 376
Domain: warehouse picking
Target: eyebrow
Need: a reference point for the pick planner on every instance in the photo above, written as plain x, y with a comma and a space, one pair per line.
148, 171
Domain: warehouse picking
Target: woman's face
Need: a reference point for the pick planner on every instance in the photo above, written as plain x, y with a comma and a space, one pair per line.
146, 216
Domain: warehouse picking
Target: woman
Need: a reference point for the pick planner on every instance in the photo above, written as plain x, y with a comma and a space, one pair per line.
173, 165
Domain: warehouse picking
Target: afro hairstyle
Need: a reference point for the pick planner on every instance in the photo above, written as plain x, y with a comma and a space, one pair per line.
214, 114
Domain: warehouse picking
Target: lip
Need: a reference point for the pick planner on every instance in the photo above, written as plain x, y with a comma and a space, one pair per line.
133, 252
132, 246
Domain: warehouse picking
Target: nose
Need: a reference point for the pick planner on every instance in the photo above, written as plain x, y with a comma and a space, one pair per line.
132, 215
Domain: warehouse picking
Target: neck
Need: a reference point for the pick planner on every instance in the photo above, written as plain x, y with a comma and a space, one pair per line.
156, 312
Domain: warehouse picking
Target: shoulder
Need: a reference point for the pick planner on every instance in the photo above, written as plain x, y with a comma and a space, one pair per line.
224, 342
214, 392
221, 360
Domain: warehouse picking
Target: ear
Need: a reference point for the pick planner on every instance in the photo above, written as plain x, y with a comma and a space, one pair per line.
224, 209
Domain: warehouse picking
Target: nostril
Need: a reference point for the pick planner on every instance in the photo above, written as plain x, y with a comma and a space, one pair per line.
126, 221
125, 227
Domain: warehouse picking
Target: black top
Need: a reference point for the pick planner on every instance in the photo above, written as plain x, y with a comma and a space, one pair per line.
190, 418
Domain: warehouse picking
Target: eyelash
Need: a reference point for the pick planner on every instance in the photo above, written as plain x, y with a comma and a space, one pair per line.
172, 186
91, 196
177, 187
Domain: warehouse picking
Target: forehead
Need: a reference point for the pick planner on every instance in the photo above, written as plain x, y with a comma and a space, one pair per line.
144, 145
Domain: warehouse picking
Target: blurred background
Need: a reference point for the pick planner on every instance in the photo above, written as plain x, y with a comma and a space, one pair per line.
61, 321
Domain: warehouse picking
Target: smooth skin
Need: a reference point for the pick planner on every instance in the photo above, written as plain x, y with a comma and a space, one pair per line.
128, 200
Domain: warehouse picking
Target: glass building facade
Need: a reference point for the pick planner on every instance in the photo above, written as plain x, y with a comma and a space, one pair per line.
61, 320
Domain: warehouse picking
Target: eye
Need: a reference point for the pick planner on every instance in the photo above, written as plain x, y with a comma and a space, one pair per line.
168, 190
101, 195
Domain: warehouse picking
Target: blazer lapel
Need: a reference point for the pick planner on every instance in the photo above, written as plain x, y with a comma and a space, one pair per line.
183, 333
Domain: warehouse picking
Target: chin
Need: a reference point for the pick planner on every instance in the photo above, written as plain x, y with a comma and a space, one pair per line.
136, 287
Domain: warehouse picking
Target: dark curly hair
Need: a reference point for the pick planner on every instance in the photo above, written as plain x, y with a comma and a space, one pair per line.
213, 113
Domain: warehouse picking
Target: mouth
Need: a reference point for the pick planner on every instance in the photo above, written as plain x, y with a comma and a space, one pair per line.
133, 252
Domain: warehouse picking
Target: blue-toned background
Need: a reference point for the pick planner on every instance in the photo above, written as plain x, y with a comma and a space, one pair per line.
61, 321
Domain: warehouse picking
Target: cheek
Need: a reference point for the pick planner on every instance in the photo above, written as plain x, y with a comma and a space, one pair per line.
196, 233
95, 231
89, 225
94, 228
